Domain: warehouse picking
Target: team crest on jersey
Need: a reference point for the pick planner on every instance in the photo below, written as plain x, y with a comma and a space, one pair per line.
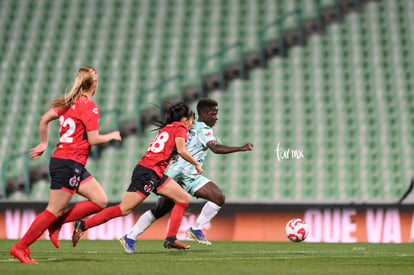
74, 181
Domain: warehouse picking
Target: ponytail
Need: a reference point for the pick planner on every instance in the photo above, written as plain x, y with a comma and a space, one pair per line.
85, 77
174, 113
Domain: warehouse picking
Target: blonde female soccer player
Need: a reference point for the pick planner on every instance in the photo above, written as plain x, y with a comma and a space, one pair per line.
79, 129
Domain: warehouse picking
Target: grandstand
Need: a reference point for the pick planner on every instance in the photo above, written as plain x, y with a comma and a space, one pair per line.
344, 98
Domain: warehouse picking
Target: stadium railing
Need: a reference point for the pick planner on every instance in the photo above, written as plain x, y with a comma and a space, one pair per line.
221, 55
159, 88
9, 161
279, 23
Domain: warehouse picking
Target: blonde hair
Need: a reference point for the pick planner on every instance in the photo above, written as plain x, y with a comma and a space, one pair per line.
85, 77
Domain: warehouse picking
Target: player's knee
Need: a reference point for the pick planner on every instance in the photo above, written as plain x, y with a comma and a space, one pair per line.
125, 211
218, 198
56, 212
221, 199
158, 213
101, 201
185, 198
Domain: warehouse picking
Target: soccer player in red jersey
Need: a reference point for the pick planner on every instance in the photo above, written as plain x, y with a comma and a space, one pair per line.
148, 176
201, 139
79, 129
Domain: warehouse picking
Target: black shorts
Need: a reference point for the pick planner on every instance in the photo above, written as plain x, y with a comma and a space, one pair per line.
144, 181
67, 174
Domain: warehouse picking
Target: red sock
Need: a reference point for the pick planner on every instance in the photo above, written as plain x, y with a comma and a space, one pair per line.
177, 214
38, 226
103, 216
78, 211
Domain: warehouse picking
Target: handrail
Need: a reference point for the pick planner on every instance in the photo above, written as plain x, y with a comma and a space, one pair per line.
319, 16
220, 54
279, 23
338, 11
159, 88
5, 165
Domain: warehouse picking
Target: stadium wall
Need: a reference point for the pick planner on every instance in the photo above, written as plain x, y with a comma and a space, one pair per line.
347, 223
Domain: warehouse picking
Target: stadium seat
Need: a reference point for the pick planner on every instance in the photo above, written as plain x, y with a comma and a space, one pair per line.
343, 99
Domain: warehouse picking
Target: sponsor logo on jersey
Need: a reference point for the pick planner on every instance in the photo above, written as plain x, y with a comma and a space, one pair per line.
95, 110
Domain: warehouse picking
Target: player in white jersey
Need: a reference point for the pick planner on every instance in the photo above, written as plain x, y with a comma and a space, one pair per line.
199, 140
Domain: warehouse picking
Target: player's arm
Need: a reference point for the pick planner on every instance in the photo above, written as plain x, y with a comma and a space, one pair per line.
95, 138
90, 119
183, 152
223, 149
45, 120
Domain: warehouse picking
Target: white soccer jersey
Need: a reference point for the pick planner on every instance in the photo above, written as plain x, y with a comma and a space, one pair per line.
197, 139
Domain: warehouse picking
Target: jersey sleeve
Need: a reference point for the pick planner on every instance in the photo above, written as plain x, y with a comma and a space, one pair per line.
206, 135
58, 111
90, 117
181, 131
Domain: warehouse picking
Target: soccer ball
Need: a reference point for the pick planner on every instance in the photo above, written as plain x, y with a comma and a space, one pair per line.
296, 230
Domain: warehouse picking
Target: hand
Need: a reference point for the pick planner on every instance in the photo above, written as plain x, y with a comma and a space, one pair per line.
247, 147
37, 151
116, 135
199, 169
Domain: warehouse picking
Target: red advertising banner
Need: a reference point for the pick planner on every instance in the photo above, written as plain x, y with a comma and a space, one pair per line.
342, 224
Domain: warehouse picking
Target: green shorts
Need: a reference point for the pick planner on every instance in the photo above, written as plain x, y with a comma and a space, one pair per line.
189, 183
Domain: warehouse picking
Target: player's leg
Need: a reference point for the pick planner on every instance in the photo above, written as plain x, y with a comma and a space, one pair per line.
128, 203
211, 192
162, 207
172, 190
138, 190
215, 199
89, 188
58, 201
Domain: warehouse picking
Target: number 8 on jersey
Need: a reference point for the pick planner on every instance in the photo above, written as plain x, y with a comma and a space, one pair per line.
158, 144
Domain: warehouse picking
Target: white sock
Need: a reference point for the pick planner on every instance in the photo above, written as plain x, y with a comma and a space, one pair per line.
208, 212
142, 224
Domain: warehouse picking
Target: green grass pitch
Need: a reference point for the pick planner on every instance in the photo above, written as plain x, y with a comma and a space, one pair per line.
108, 257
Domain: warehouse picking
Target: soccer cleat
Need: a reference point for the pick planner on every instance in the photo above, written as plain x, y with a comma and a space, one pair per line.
197, 235
22, 255
172, 242
128, 244
78, 230
54, 234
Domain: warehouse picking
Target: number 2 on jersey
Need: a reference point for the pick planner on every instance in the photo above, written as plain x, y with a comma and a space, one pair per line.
158, 143
66, 137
